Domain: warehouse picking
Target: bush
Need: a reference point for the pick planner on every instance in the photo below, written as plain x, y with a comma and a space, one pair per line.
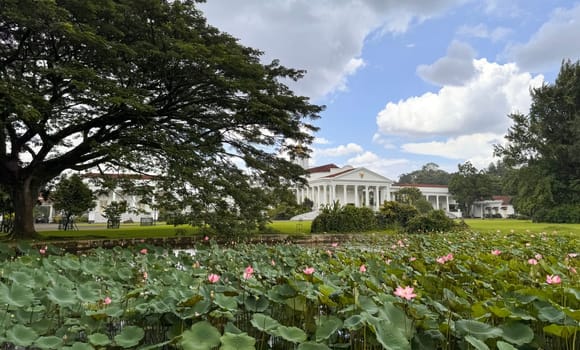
434, 221
563, 214
335, 218
396, 214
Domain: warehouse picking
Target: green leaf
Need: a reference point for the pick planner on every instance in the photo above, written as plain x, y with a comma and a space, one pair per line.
240, 341
561, 331
201, 336
256, 303
390, 337
99, 339
129, 336
367, 304
292, 334
517, 333
88, 293
504, 346
354, 322
264, 323
23, 278
312, 346
225, 302
16, 295
478, 329
61, 296
327, 326
50, 342
21, 335
550, 314
81, 346
476, 343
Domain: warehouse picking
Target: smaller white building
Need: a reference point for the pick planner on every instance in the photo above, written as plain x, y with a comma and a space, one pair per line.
495, 207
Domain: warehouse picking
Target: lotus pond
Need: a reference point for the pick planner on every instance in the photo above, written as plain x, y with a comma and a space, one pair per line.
463, 290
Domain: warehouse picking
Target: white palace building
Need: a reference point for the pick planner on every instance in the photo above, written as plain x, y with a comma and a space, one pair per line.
362, 187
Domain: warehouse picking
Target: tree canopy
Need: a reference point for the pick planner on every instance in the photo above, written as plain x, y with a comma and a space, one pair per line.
469, 185
428, 174
544, 145
73, 197
150, 87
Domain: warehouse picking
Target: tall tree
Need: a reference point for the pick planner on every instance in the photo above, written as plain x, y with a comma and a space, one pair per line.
73, 197
469, 185
428, 174
545, 145
148, 86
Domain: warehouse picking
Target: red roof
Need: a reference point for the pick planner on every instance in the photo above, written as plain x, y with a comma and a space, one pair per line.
421, 185
322, 169
339, 173
505, 200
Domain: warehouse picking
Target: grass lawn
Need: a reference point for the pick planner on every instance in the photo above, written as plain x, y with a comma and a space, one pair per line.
506, 225
96, 231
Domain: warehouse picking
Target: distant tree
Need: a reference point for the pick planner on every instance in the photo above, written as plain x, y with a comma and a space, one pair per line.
73, 197
469, 185
147, 86
113, 212
414, 197
499, 173
544, 145
429, 174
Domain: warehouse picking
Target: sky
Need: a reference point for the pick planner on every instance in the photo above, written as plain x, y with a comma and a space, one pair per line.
406, 83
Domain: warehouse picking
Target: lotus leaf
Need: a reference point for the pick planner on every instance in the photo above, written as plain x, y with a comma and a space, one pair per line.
477, 329
240, 341
550, 314
327, 326
504, 346
256, 303
517, 333
129, 336
291, 334
88, 292
312, 346
226, 303
81, 346
201, 336
561, 331
50, 342
391, 338
23, 278
21, 335
99, 339
354, 322
16, 295
264, 323
476, 343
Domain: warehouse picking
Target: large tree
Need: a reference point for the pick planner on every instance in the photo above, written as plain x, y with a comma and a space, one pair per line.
544, 145
148, 86
72, 197
428, 174
469, 185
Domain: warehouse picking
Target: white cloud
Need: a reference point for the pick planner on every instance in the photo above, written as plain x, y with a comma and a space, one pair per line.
342, 150
454, 69
483, 32
379, 139
479, 106
325, 37
321, 141
556, 40
390, 168
479, 145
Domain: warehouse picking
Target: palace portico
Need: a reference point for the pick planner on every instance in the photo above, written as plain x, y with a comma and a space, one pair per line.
362, 187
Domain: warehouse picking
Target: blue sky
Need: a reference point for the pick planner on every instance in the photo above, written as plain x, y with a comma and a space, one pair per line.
409, 82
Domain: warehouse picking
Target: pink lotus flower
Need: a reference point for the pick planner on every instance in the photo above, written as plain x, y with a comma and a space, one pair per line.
553, 279
334, 245
363, 268
43, 250
388, 261
405, 293
206, 238
308, 270
441, 260
213, 278
248, 272
412, 258
572, 269
449, 257
273, 262
145, 275
107, 301
572, 255
533, 262
143, 251
496, 252
538, 256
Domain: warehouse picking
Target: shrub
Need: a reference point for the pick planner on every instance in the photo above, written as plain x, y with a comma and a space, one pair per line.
396, 214
566, 213
334, 218
434, 221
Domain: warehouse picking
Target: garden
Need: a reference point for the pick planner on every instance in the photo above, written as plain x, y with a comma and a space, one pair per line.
459, 290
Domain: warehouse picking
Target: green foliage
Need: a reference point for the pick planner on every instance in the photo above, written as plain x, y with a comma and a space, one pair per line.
103, 299
429, 174
395, 214
73, 197
160, 89
433, 221
337, 218
469, 185
545, 146
565, 213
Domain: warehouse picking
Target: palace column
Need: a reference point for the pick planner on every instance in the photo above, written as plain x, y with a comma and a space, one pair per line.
366, 195
356, 196
437, 200
344, 194
377, 198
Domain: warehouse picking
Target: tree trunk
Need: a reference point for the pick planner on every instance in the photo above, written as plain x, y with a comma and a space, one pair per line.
24, 196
